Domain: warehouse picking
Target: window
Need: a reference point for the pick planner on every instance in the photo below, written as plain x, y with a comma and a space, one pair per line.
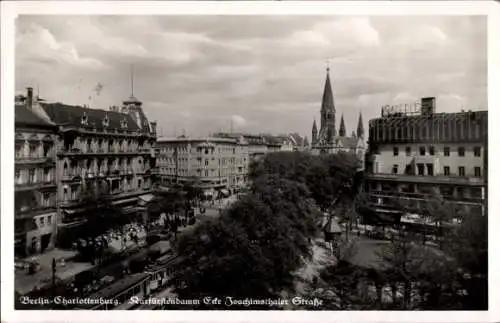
395, 169
206, 172
461, 151
49, 220
206, 151
206, 162
446, 151
46, 149
420, 168
33, 151
461, 171
46, 174
18, 176
42, 221
139, 183
446, 170
32, 176
408, 151
431, 150
395, 151
422, 151
430, 169
408, 170
477, 151
477, 171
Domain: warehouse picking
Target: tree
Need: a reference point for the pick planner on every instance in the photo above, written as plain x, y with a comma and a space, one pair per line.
253, 248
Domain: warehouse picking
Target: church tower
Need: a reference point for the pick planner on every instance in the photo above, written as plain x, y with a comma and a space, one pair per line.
342, 131
361, 130
328, 131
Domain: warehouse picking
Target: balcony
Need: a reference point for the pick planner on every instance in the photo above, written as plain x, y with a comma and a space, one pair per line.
32, 211
436, 179
72, 175
28, 160
424, 196
28, 186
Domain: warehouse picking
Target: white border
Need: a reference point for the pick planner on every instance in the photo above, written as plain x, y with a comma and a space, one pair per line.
9, 10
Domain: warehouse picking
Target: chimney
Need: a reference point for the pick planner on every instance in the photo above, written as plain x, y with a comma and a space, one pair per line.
29, 98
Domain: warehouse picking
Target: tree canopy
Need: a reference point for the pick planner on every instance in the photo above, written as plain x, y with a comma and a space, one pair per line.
256, 244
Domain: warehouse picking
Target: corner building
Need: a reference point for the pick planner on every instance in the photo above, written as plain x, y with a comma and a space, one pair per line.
215, 164
417, 155
34, 179
105, 154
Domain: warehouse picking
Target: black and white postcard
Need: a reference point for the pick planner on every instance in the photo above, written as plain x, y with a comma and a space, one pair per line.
303, 161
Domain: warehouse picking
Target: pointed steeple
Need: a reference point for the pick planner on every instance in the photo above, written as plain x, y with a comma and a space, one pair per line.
342, 126
327, 102
314, 132
361, 130
327, 128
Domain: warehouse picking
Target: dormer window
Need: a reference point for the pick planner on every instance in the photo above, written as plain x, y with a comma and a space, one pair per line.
85, 118
124, 123
105, 121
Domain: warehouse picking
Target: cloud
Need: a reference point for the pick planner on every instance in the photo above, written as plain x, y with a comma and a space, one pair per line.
263, 73
238, 120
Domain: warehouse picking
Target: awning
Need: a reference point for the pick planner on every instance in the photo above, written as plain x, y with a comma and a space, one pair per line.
147, 197
123, 201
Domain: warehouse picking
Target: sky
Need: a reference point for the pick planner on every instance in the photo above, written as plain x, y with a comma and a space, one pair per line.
202, 74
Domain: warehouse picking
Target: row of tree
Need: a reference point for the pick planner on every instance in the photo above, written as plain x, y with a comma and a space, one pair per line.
451, 276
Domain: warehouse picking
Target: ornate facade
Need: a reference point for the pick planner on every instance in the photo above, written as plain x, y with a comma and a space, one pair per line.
97, 154
327, 140
35, 180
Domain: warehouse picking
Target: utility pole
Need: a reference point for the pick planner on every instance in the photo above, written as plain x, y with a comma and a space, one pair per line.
53, 277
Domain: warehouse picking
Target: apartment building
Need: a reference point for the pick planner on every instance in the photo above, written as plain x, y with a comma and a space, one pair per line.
97, 154
215, 164
35, 180
261, 144
417, 154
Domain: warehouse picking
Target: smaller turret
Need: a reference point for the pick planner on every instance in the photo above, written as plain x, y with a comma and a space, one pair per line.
314, 132
342, 131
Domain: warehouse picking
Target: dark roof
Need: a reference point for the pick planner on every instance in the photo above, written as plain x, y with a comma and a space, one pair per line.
70, 115
24, 116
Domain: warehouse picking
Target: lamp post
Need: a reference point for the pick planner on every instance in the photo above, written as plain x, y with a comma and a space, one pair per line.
53, 277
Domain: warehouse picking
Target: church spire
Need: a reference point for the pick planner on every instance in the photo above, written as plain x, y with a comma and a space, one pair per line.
328, 112
361, 130
342, 126
314, 132
327, 102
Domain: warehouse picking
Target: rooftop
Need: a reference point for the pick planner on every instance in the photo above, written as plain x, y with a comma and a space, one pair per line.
24, 116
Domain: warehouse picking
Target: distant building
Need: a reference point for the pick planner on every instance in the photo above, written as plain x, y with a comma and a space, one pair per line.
326, 140
216, 165
35, 179
100, 153
415, 155
261, 144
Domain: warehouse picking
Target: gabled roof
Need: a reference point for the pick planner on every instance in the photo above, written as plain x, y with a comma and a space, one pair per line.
24, 116
62, 114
